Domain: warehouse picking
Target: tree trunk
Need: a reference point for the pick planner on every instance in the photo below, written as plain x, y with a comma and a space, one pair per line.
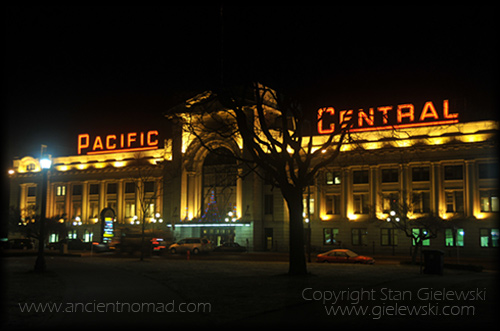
297, 258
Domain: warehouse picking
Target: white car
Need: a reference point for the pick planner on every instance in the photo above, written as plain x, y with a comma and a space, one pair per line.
194, 245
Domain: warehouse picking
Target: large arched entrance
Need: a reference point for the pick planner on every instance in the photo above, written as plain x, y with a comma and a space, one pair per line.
220, 174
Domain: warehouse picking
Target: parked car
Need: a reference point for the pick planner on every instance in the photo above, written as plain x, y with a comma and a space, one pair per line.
230, 247
343, 256
76, 244
194, 245
21, 244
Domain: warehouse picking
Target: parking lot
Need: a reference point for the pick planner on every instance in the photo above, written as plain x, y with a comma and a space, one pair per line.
236, 290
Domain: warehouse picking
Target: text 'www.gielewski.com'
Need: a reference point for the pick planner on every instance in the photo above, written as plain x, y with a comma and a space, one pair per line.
387, 302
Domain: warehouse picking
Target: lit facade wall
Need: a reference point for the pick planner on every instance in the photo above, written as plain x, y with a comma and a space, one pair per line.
449, 170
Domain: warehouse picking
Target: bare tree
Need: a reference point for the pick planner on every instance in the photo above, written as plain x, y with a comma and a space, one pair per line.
418, 229
276, 136
146, 182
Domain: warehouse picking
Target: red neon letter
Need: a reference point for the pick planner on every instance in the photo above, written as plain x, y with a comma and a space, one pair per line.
97, 143
81, 144
108, 138
425, 111
362, 115
330, 110
131, 138
345, 116
384, 111
152, 142
409, 114
446, 110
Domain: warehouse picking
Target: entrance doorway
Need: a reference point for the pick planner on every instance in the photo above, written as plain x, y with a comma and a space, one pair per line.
218, 236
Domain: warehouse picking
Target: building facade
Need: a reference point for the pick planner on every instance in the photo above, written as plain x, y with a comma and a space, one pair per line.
442, 168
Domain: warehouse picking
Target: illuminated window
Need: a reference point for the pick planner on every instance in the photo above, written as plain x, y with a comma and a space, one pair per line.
420, 233
330, 236
359, 237
60, 190
454, 237
489, 200
389, 237
129, 209
333, 178
488, 237
311, 205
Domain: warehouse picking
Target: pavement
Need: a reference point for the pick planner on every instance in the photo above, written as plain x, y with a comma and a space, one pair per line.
109, 291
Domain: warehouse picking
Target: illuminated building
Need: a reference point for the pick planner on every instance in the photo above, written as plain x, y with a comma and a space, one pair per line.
424, 153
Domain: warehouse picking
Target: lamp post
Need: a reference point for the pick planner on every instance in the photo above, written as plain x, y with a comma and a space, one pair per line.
45, 164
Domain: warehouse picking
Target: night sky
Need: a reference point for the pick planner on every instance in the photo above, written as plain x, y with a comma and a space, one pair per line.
69, 70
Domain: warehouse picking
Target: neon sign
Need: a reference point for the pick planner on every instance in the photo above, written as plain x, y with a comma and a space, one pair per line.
112, 143
385, 117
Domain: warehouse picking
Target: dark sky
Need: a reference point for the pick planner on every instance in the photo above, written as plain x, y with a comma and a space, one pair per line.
69, 70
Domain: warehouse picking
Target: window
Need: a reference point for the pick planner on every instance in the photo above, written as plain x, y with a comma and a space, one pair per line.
489, 200
488, 237
93, 209
130, 187
149, 186
420, 174
390, 203
389, 237
93, 189
311, 205
129, 209
453, 172
360, 177
111, 188
332, 204
268, 204
32, 191
454, 237
359, 237
454, 201
421, 202
390, 175
361, 203
30, 167
330, 236
333, 178
77, 189
60, 190
420, 233
488, 170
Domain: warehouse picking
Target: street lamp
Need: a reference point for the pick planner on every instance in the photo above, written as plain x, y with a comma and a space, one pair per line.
45, 164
